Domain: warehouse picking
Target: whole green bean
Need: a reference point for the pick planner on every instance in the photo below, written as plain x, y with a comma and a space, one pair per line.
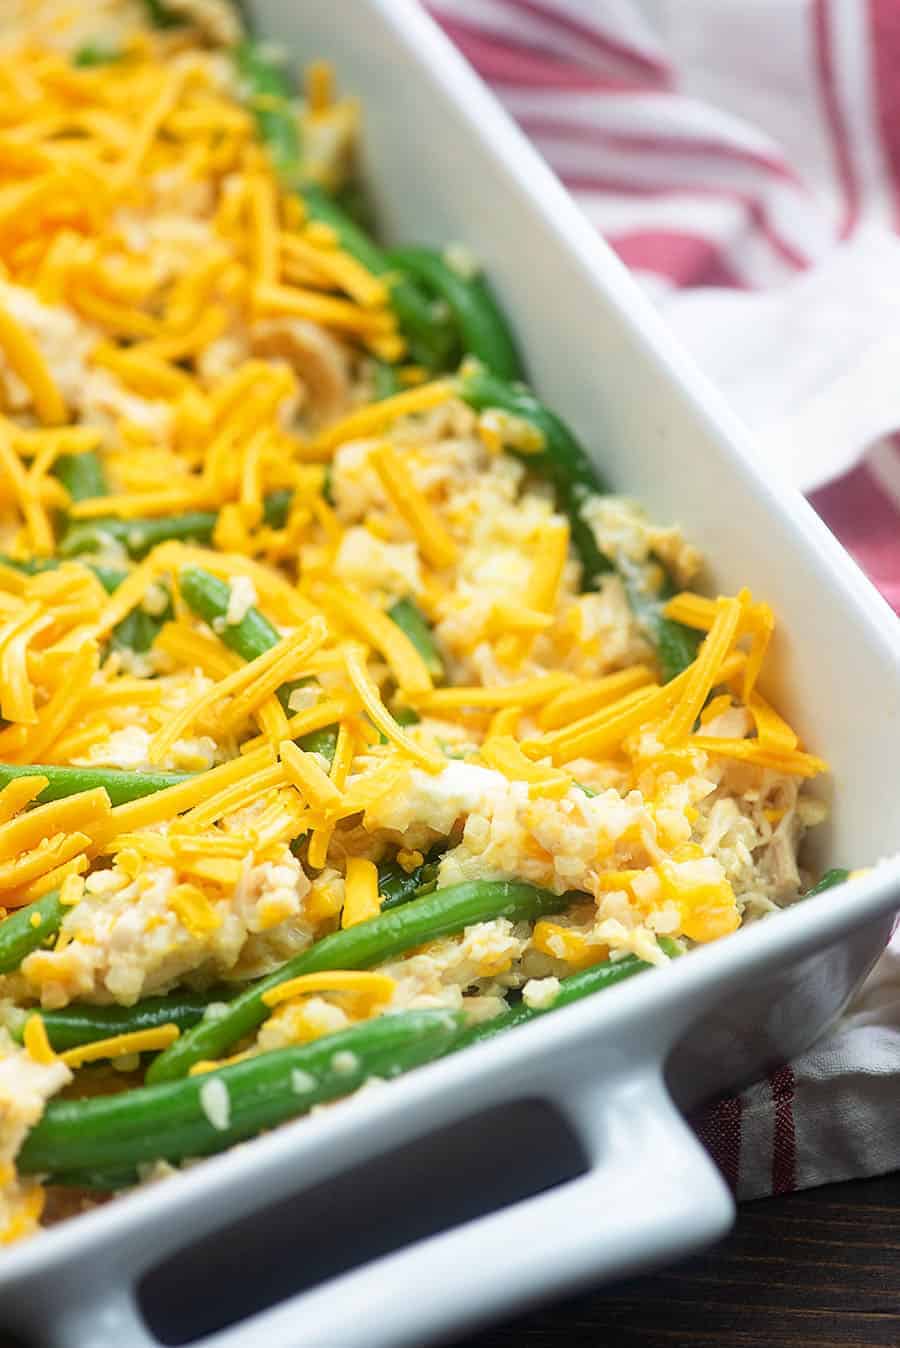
571, 989
413, 623
359, 947
208, 597
82, 475
120, 784
205, 1114
832, 878
137, 536
20, 933
484, 331
76, 1025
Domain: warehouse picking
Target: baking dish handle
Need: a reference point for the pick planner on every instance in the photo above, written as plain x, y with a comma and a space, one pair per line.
650, 1193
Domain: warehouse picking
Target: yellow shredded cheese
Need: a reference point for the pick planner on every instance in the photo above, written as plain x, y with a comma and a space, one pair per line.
36, 1041
377, 417
118, 1045
424, 523
361, 899
370, 697
376, 987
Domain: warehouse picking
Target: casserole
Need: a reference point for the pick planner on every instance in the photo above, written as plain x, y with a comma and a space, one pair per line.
621, 1112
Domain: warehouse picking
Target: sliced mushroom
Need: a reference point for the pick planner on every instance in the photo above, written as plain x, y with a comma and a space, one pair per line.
318, 359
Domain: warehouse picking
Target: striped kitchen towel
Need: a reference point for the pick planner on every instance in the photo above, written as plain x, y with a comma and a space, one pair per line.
742, 157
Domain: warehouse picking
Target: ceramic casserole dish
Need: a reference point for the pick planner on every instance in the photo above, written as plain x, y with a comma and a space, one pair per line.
558, 1156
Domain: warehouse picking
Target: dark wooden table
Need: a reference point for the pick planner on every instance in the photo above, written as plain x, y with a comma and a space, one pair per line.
819, 1269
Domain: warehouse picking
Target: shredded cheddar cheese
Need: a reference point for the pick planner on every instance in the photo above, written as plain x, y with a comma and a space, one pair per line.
118, 1045
361, 900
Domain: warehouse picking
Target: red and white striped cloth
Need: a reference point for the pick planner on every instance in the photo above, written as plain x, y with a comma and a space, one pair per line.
742, 157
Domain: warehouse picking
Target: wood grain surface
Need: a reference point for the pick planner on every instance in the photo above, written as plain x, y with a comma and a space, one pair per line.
819, 1269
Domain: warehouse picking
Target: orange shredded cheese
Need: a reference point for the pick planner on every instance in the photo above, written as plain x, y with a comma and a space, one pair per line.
36, 1041
424, 523
118, 1045
377, 417
376, 987
370, 697
361, 899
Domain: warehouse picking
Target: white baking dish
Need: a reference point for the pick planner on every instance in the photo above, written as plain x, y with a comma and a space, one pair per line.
447, 164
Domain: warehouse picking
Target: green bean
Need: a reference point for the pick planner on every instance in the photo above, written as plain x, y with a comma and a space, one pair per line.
483, 329
396, 885
356, 203
328, 484
277, 507
322, 742
431, 338
571, 989
76, 1025
562, 460
208, 597
413, 623
137, 536
403, 716
120, 784
675, 644
30, 566
161, 16
564, 463
20, 933
136, 632
359, 947
82, 475
99, 1179
271, 101
385, 381
180, 1119
832, 878
269, 93
95, 54
109, 577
